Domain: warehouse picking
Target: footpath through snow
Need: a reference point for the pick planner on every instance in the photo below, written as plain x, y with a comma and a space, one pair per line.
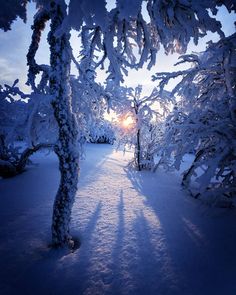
140, 233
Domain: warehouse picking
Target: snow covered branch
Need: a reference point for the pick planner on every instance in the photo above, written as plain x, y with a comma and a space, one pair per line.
203, 122
40, 20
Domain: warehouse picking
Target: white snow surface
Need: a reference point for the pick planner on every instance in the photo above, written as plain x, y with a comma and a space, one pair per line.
140, 233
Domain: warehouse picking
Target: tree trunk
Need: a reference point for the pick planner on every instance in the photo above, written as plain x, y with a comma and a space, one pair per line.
66, 146
187, 174
138, 151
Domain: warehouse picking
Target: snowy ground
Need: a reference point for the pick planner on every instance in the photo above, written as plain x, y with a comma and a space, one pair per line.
140, 233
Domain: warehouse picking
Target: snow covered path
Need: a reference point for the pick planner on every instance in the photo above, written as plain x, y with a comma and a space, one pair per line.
140, 234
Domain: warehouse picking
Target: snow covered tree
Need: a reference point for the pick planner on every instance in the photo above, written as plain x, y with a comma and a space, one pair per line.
114, 33
66, 146
204, 121
140, 118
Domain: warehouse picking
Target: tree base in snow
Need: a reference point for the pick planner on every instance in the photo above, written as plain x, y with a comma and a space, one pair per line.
224, 203
211, 199
7, 169
72, 245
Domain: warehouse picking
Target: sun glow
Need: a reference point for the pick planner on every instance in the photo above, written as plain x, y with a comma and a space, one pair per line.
128, 122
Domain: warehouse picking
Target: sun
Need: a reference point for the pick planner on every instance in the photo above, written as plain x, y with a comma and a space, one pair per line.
128, 122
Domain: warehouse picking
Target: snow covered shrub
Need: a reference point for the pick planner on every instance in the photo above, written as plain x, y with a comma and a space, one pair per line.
26, 125
103, 132
204, 121
9, 155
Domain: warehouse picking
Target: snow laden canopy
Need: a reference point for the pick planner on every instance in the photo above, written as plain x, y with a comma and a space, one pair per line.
10, 10
127, 36
130, 34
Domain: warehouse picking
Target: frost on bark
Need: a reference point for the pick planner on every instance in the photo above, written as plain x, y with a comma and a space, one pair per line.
66, 146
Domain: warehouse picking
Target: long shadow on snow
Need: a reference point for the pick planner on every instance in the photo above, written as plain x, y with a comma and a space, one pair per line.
91, 169
91, 166
153, 272
21, 258
54, 268
199, 244
78, 281
137, 267
117, 270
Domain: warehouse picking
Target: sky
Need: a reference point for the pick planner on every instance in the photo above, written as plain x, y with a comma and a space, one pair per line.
14, 45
